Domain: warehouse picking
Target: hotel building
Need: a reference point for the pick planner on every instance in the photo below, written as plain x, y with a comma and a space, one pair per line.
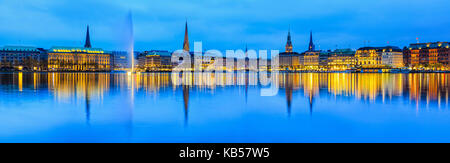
79, 59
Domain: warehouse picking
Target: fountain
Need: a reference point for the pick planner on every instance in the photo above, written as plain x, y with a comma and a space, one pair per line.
125, 40
130, 41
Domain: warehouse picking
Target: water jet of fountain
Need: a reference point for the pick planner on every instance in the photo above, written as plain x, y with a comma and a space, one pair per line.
129, 38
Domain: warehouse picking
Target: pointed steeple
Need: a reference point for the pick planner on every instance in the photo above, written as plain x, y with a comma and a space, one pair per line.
311, 47
88, 39
186, 39
289, 42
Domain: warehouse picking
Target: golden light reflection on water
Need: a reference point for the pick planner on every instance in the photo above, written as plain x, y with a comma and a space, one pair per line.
428, 88
68, 85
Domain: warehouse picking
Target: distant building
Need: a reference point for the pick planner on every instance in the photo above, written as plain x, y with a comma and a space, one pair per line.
23, 58
411, 57
79, 59
371, 57
310, 59
342, 59
392, 58
289, 60
121, 61
324, 59
88, 39
186, 39
155, 61
434, 55
311, 47
289, 47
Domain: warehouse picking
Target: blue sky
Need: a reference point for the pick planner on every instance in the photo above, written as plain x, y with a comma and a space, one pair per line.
224, 24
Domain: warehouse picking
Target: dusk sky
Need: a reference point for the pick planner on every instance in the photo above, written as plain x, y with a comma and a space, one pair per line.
224, 24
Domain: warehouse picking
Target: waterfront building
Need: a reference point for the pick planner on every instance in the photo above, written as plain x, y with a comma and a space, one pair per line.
120, 60
23, 58
392, 58
79, 59
371, 57
289, 60
368, 57
311, 58
155, 61
429, 56
341, 60
324, 59
411, 57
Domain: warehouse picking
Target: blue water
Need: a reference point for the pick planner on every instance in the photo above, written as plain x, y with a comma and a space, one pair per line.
308, 107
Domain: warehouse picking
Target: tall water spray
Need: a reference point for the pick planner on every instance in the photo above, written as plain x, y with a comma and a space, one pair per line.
129, 39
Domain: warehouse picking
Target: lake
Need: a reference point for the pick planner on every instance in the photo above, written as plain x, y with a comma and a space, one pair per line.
203, 108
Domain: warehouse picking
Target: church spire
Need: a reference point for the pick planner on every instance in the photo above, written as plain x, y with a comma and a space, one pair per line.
186, 39
289, 42
88, 39
311, 47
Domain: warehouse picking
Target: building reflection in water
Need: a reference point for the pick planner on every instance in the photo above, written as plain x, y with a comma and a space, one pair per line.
186, 103
88, 104
419, 89
289, 91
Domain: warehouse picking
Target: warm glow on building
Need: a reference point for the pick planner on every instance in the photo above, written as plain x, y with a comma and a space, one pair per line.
428, 56
78, 59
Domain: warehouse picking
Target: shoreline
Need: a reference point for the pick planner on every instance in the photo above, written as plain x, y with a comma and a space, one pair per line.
124, 72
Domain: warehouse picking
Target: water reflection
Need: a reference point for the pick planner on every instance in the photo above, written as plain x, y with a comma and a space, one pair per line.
288, 84
186, 103
88, 105
428, 89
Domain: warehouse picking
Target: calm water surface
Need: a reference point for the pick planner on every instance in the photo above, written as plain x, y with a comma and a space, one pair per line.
162, 107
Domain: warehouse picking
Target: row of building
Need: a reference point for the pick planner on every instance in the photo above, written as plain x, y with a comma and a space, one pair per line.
24, 58
87, 58
420, 56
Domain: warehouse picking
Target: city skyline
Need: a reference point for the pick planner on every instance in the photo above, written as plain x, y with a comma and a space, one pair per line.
53, 26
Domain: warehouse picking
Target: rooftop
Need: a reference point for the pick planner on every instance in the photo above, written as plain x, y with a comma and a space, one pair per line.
19, 48
378, 49
429, 45
61, 49
158, 52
